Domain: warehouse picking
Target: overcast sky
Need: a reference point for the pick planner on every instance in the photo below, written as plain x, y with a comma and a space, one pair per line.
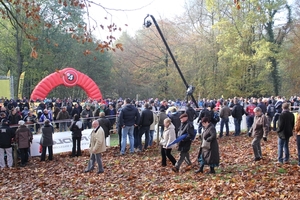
133, 12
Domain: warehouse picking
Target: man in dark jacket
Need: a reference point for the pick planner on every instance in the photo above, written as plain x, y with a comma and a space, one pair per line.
6, 136
104, 123
192, 115
225, 112
185, 144
129, 118
237, 113
145, 121
286, 124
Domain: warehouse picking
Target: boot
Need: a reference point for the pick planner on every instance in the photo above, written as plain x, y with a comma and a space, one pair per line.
200, 170
212, 170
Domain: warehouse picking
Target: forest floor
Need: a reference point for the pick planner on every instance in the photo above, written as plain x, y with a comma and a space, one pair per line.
141, 176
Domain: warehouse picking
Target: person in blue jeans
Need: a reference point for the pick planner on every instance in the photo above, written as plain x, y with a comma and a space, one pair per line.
237, 113
286, 124
129, 118
225, 112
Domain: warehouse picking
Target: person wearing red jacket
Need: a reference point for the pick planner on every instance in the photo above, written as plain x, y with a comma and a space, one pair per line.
250, 114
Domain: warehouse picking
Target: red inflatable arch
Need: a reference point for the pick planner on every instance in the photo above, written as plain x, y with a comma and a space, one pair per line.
68, 77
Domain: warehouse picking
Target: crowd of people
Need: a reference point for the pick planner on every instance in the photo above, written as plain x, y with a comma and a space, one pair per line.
132, 119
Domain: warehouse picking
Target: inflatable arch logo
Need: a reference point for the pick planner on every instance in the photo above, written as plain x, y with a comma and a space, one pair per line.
68, 77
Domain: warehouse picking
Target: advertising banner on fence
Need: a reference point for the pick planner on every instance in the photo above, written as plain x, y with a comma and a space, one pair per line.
63, 142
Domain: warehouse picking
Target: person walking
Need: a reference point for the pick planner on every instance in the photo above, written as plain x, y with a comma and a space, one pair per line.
97, 146
23, 139
259, 130
76, 128
209, 150
47, 140
185, 144
286, 124
167, 138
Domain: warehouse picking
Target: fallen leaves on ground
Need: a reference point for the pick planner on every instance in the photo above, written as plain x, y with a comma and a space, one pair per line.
141, 176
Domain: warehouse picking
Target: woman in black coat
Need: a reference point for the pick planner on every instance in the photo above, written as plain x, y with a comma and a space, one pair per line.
47, 140
209, 150
76, 128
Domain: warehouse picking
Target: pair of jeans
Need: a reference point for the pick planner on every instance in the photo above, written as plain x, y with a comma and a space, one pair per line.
256, 147
87, 125
298, 148
151, 135
76, 143
146, 130
166, 153
225, 122
283, 145
93, 158
50, 151
249, 121
127, 130
62, 126
24, 155
237, 125
9, 156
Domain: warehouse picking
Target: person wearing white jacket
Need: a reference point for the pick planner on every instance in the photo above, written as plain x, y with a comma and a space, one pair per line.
167, 138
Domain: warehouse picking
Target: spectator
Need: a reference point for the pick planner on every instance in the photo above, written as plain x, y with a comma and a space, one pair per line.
104, 123
46, 115
259, 130
76, 128
129, 118
209, 152
97, 146
47, 140
237, 113
286, 124
192, 115
145, 121
63, 115
87, 115
225, 112
167, 138
6, 136
152, 127
250, 114
111, 112
185, 144
297, 130
175, 120
23, 139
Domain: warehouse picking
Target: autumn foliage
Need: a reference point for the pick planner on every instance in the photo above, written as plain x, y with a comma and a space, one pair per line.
140, 176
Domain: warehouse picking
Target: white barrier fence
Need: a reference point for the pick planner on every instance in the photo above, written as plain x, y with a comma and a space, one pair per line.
63, 142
